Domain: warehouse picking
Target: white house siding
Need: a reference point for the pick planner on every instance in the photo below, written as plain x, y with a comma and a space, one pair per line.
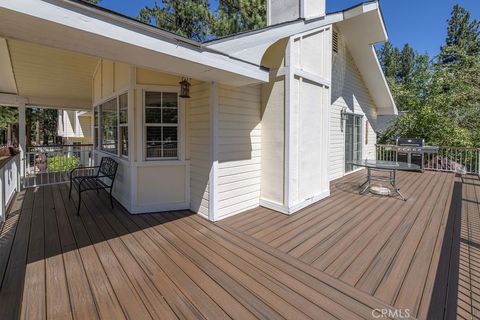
160, 184
273, 128
311, 61
69, 120
85, 130
239, 149
104, 77
199, 132
348, 91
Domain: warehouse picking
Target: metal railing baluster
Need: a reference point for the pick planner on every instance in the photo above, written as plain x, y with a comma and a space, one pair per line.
450, 159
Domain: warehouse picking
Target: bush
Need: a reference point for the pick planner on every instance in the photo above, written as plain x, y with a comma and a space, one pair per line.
62, 163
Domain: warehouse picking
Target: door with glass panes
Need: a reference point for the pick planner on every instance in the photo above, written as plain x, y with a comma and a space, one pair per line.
353, 140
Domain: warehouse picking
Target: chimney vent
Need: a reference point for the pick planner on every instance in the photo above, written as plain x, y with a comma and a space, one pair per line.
279, 11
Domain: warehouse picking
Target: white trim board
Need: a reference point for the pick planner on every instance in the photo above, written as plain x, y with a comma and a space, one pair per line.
152, 208
294, 208
213, 178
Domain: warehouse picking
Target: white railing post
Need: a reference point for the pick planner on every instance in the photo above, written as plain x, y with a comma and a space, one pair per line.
478, 162
52, 164
22, 137
2, 196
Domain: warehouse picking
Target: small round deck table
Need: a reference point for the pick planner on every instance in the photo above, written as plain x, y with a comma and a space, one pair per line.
379, 165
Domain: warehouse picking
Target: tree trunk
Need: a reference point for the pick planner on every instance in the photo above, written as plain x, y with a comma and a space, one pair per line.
15, 136
28, 134
9, 134
37, 133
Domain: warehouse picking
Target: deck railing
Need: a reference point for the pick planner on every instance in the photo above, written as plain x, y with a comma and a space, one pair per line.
451, 159
9, 182
52, 164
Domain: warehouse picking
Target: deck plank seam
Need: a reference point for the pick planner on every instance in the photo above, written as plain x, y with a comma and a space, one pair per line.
396, 251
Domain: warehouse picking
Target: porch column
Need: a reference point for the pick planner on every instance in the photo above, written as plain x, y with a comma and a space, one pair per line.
9, 135
213, 178
22, 137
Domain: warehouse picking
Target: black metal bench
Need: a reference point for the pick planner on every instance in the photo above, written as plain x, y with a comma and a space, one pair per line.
107, 170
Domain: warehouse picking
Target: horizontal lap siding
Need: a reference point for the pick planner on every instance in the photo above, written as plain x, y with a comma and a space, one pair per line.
200, 164
85, 127
239, 149
348, 91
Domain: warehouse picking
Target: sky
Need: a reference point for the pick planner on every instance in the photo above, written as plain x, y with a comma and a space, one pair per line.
421, 23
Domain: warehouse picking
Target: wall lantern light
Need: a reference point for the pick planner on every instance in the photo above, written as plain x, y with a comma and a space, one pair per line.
343, 114
184, 88
343, 118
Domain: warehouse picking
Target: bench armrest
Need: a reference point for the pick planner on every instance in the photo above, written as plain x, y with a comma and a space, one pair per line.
81, 168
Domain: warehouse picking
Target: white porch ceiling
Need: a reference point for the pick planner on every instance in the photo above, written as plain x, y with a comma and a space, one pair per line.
7, 79
52, 77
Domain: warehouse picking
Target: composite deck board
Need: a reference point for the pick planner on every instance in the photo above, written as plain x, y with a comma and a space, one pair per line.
336, 259
34, 299
374, 276
14, 276
388, 248
7, 233
58, 304
350, 260
82, 300
384, 240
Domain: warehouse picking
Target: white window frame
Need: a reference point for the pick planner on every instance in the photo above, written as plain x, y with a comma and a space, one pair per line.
116, 95
362, 118
178, 125
96, 143
123, 125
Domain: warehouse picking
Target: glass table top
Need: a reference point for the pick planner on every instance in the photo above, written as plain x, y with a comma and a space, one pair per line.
385, 165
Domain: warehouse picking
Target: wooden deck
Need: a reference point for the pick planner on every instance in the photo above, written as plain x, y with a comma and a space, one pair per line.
338, 259
422, 254
111, 265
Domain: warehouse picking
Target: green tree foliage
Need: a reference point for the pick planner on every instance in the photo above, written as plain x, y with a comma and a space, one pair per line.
239, 15
8, 116
63, 163
195, 20
463, 38
441, 97
189, 18
408, 74
46, 120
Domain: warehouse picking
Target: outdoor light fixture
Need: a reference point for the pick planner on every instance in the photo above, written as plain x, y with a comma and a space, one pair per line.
184, 88
343, 114
343, 117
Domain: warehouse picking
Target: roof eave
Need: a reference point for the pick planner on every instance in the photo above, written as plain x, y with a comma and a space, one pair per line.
85, 29
361, 45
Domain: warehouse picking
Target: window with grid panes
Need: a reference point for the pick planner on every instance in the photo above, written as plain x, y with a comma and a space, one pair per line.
161, 125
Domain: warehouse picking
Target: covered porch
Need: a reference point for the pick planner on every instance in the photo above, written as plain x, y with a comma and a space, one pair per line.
71, 56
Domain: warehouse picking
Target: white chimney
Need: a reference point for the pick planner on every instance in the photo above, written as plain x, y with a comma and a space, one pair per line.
279, 11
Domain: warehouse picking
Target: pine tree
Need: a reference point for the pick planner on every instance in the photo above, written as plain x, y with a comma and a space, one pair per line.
388, 57
8, 116
442, 97
463, 37
188, 18
407, 74
407, 59
240, 15
456, 82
